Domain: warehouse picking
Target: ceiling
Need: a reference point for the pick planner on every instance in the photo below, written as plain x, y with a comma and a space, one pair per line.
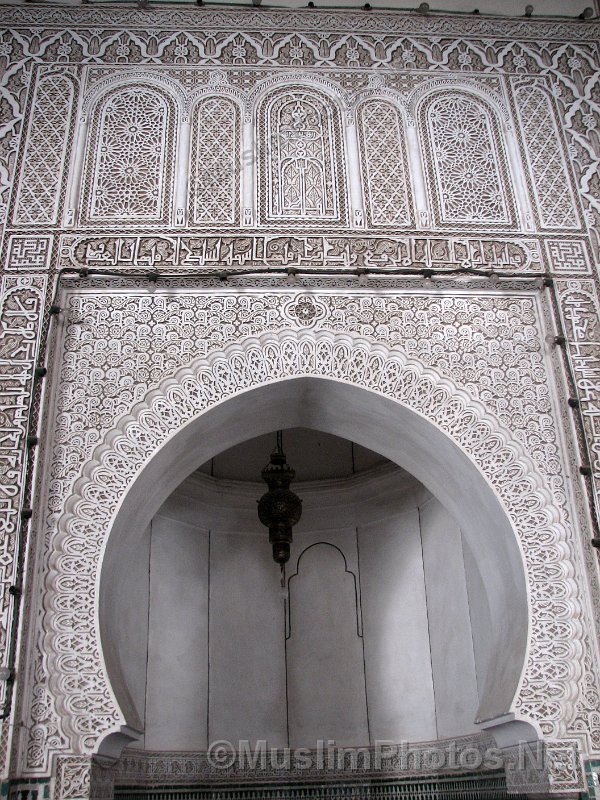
313, 454
503, 8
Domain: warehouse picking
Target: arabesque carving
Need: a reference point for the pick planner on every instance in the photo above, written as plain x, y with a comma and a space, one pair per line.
387, 344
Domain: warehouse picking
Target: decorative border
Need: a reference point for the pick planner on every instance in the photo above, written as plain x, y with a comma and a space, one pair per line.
376, 22
405, 760
580, 313
20, 323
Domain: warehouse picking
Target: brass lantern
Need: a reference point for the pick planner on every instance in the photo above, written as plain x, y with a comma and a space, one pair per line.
279, 509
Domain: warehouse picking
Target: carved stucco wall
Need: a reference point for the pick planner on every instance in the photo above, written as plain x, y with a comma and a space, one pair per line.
530, 89
437, 365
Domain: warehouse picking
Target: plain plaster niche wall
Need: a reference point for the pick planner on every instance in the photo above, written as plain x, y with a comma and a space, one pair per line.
452, 657
130, 611
372, 642
177, 667
325, 674
397, 651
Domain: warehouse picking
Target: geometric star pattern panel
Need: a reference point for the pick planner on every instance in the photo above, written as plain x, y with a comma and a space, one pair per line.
128, 164
464, 162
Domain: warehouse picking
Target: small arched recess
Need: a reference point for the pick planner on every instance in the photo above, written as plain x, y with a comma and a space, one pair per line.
301, 173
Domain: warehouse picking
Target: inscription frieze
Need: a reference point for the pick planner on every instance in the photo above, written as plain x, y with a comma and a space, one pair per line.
302, 252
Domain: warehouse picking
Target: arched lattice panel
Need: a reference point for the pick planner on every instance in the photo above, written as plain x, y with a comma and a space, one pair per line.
465, 162
129, 164
45, 151
214, 189
301, 173
549, 178
386, 185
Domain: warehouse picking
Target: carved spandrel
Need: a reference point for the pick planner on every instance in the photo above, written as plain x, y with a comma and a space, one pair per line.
410, 323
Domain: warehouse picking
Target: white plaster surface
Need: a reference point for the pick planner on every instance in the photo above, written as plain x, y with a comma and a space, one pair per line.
326, 679
479, 614
451, 643
399, 681
375, 422
131, 615
247, 664
371, 610
176, 707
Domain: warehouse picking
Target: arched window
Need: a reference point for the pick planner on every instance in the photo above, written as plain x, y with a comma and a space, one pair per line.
465, 162
386, 187
300, 158
215, 162
555, 203
131, 160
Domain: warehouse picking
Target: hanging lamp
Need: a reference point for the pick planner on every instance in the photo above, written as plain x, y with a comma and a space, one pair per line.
279, 509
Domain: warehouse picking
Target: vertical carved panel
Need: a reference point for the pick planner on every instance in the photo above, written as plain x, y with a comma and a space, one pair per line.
465, 164
300, 155
43, 159
383, 163
19, 331
215, 162
550, 181
130, 167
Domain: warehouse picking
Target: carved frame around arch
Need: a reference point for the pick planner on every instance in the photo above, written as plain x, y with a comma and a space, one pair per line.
83, 695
